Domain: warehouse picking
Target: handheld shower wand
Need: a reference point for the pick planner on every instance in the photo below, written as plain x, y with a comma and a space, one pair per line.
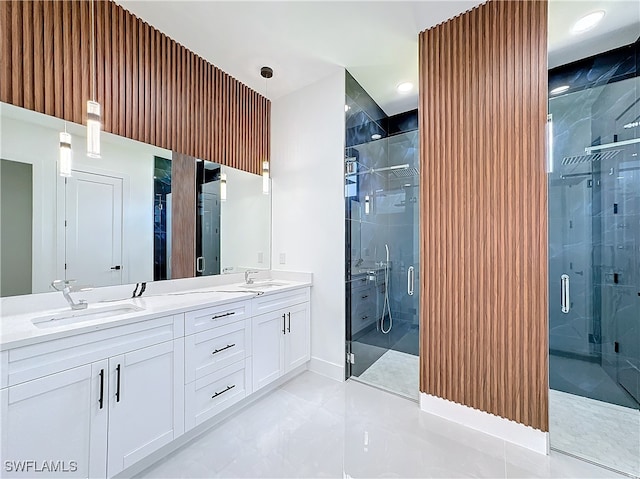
386, 306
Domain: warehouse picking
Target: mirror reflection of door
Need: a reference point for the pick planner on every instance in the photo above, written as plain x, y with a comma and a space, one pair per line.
208, 218
93, 229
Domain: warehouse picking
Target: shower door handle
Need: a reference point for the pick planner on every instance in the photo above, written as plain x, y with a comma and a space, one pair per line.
200, 264
410, 280
565, 300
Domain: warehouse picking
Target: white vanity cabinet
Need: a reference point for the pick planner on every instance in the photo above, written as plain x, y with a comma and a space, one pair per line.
280, 336
56, 418
97, 418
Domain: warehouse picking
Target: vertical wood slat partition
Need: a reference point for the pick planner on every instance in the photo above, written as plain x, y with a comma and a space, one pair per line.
183, 225
151, 89
483, 107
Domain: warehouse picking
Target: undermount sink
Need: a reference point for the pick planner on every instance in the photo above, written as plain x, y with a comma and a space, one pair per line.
263, 284
78, 316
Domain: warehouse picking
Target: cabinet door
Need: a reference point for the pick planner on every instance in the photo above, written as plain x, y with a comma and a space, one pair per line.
55, 426
146, 403
267, 346
297, 340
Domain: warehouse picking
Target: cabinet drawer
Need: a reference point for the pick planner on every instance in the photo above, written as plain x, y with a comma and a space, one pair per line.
203, 319
272, 302
212, 394
37, 360
211, 350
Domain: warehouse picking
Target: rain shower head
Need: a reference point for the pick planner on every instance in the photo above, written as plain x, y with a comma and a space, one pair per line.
575, 160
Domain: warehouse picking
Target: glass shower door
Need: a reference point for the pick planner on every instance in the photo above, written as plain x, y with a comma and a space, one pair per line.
382, 216
594, 275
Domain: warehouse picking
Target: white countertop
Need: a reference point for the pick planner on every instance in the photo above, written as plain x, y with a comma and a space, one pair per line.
18, 329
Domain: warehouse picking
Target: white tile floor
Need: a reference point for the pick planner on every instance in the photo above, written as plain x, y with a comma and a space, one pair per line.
395, 371
316, 427
604, 433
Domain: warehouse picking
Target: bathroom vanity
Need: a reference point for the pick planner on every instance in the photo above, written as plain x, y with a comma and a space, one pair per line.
95, 393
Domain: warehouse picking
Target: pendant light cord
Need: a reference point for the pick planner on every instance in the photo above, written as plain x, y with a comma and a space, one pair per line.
93, 50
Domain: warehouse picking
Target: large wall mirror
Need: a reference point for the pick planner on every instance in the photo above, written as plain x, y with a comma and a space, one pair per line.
113, 221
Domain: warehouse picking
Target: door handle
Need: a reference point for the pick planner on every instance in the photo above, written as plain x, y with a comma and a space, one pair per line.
200, 262
101, 400
410, 280
289, 327
116, 267
118, 383
284, 316
565, 299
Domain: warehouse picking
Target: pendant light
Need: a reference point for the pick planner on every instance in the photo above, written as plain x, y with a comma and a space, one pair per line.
64, 160
93, 107
266, 73
223, 187
265, 177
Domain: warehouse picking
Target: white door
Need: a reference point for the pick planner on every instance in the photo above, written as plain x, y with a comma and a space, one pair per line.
93, 231
146, 403
268, 348
57, 423
297, 343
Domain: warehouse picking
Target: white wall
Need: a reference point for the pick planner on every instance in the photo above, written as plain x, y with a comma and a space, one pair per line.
307, 170
245, 223
31, 137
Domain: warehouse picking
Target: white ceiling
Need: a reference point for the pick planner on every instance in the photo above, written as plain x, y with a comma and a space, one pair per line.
376, 41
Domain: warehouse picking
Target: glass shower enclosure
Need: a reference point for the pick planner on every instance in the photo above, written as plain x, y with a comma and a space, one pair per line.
382, 254
594, 273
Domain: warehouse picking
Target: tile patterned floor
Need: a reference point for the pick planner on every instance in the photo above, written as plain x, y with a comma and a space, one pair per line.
398, 372
316, 427
598, 431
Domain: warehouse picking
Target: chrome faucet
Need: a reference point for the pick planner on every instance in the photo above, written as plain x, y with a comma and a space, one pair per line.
247, 278
64, 285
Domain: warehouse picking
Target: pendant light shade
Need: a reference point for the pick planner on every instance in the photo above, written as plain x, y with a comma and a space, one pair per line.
93, 129
265, 177
64, 160
223, 187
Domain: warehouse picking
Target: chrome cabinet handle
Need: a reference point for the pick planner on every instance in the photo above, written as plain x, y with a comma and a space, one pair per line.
228, 388
565, 300
410, 280
216, 351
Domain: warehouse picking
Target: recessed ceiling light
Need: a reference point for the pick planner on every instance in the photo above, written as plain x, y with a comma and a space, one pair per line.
405, 87
376, 136
587, 22
560, 89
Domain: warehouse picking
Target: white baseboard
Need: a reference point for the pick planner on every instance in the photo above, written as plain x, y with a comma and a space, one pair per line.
326, 368
496, 426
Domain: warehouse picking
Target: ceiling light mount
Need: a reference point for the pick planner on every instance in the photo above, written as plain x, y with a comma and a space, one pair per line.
587, 22
404, 87
266, 72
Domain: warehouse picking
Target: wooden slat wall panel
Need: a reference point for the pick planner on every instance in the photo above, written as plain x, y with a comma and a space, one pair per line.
151, 89
183, 226
483, 108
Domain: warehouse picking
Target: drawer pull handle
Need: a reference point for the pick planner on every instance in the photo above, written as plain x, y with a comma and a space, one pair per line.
118, 383
101, 400
365, 317
222, 349
213, 318
364, 297
289, 327
229, 388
